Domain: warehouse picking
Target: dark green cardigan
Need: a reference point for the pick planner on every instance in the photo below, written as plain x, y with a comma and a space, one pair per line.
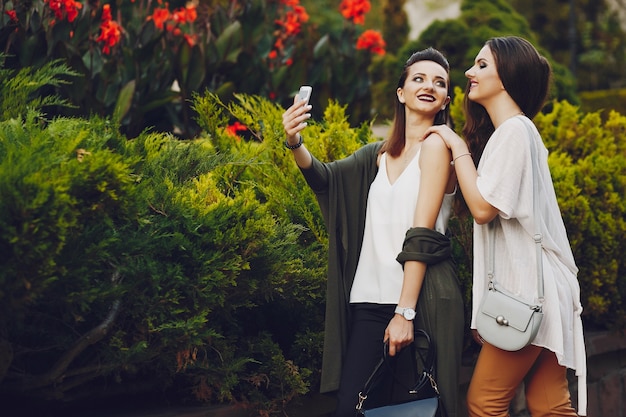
342, 189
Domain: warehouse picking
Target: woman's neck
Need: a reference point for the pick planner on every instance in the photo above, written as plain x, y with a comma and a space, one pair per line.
501, 110
415, 128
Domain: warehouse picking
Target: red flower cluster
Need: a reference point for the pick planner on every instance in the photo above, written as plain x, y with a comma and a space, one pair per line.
12, 15
355, 10
160, 15
372, 41
187, 14
171, 21
64, 8
110, 30
234, 128
292, 16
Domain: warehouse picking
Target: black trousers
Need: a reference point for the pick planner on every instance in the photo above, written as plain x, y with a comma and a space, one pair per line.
440, 312
365, 348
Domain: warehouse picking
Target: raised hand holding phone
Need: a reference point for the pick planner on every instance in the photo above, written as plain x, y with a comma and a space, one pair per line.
305, 93
294, 119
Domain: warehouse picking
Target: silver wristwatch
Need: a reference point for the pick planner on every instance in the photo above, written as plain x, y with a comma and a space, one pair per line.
408, 313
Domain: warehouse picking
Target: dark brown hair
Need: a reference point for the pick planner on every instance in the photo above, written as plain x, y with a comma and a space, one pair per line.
395, 143
525, 75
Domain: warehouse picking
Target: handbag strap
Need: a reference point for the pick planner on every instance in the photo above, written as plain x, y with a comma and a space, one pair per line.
425, 376
538, 237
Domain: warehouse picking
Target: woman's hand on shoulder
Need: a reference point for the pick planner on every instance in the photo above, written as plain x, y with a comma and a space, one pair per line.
435, 158
447, 135
435, 147
295, 117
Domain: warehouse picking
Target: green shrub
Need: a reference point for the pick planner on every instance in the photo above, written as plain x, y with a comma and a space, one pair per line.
460, 39
604, 101
588, 164
127, 261
24, 88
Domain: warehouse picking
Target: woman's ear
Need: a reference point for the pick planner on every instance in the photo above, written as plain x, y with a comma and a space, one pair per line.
400, 95
445, 103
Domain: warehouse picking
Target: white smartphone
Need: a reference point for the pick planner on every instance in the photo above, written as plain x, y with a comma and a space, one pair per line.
305, 93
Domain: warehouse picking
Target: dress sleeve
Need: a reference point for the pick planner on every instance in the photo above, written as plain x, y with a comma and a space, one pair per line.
505, 170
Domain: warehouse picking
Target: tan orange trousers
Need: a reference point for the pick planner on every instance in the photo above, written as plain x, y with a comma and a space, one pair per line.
498, 373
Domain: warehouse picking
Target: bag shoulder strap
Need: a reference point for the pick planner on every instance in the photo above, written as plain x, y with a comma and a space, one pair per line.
538, 237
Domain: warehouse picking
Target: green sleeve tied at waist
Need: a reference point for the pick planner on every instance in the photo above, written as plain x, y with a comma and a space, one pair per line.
424, 245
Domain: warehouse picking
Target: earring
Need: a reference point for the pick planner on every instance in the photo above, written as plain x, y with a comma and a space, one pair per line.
443, 107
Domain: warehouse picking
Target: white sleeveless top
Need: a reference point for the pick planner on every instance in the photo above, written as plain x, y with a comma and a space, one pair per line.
390, 212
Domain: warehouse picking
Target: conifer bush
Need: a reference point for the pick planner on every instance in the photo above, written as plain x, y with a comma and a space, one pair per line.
130, 262
588, 165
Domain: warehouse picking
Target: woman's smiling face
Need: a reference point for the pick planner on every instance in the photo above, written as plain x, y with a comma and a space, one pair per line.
483, 77
425, 88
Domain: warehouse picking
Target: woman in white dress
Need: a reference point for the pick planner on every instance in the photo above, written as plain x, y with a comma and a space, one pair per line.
386, 208
507, 86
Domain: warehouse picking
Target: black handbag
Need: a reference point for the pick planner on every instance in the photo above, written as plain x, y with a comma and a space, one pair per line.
417, 397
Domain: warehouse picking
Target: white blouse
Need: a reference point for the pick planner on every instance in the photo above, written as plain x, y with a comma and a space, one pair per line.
390, 213
505, 181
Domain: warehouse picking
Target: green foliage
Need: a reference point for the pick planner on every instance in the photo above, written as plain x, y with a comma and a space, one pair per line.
139, 245
585, 35
604, 101
386, 71
22, 89
460, 40
588, 165
147, 78
44, 204
395, 24
336, 74
479, 21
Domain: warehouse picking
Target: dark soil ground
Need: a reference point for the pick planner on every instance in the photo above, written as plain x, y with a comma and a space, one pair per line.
152, 405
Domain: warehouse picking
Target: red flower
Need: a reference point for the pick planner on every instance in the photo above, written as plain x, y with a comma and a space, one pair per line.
234, 128
110, 30
106, 13
300, 11
190, 39
372, 41
291, 15
12, 15
186, 14
64, 8
110, 34
160, 15
355, 10
291, 24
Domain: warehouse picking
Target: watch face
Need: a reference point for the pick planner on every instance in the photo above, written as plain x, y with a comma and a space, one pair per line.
409, 314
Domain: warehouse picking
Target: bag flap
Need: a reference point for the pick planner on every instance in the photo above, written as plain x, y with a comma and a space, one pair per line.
516, 312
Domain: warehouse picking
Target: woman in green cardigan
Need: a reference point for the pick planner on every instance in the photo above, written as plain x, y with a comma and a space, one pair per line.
386, 208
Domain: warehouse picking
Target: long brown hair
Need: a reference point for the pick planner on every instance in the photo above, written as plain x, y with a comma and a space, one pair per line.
395, 143
525, 75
